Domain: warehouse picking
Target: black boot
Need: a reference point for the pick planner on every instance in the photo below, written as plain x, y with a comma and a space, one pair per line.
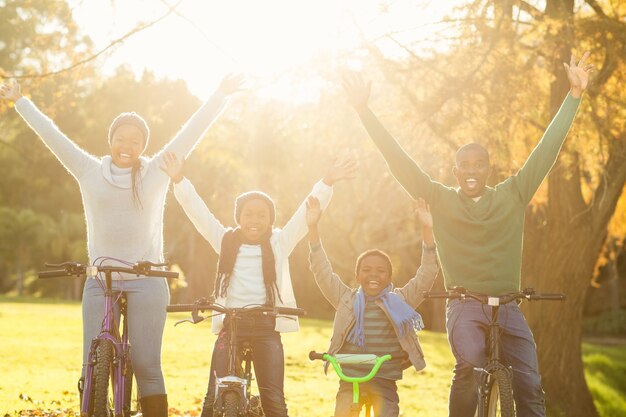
154, 406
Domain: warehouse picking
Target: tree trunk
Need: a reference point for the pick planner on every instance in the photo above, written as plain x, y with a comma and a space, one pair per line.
561, 259
560, 252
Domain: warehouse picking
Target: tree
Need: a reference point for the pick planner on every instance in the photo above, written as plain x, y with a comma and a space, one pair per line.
23, 240
486, 87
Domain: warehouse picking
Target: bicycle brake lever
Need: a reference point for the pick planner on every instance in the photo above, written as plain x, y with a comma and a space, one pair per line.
195, 318
188, 321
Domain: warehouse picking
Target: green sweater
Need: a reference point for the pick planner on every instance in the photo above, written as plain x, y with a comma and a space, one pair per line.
479, 242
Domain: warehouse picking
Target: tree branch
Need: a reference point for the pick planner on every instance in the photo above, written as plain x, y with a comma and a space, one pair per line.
597, 8
117, 41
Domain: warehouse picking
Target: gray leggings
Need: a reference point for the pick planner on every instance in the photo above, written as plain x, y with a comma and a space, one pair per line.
147, 299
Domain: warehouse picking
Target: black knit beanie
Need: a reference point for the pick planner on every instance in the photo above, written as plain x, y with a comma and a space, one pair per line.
130, 118
254, 195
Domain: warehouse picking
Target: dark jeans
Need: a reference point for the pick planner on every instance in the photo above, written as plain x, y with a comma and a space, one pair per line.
268, 362
467, 323
383, 394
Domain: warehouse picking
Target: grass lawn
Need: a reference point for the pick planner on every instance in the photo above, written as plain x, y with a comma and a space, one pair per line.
41, 362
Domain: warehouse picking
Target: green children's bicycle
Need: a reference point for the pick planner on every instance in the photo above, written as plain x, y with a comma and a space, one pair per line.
358, 400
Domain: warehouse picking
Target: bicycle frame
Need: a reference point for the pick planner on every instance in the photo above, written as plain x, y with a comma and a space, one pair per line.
237, 381
495, 372
115, 366
493, 361
121, 359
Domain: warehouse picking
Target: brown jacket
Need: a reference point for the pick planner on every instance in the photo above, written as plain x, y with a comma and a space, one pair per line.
341, 297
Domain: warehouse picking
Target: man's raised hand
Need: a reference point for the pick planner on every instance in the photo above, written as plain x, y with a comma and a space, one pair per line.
578, 74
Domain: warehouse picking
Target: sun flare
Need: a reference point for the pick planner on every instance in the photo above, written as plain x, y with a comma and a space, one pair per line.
269, 40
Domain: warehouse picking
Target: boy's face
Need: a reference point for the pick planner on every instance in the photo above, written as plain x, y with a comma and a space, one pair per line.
254, 220
374, 275
472, 170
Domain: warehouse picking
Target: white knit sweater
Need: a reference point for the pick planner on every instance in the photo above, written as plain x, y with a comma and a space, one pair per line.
116, 225
249, 259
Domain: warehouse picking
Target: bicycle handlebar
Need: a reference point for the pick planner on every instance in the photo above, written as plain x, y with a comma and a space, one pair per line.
361, 359
202, 306
353, 358
77, 269
527, 294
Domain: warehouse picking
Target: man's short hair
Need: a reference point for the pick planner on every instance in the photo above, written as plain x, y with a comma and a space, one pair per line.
372, 252
469, 146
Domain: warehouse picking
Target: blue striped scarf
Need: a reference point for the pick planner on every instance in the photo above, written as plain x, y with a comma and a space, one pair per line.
403, 317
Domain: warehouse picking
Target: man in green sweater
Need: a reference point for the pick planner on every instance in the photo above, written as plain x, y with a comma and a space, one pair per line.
478, 232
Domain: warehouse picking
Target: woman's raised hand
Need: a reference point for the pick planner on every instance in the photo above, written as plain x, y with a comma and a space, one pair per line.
231, 84
10, 91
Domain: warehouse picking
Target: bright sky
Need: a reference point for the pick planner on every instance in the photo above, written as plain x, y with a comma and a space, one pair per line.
268, 40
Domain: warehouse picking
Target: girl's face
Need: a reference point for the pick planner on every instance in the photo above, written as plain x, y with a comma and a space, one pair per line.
374, 275
126, 145
254, 220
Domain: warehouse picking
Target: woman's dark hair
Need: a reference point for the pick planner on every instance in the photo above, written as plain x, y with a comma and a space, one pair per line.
136, 183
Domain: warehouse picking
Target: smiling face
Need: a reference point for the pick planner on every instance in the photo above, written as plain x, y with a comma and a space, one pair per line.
374, 273
472, 169
254, 220
127, 144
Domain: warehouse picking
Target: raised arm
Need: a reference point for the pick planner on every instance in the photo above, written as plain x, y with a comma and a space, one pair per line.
413, 291
406, 171
73, 158
296, 227
193, 205
543, 157
193, 131
329, 283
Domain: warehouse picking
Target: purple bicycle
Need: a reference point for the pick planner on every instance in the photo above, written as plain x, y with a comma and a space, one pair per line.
107, 387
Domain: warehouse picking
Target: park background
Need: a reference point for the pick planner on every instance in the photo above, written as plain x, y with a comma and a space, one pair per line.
444, 73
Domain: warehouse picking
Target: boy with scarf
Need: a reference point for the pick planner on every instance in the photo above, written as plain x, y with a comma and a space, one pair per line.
375, 318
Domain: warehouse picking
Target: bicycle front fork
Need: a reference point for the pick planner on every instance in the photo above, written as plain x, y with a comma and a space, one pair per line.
81, 388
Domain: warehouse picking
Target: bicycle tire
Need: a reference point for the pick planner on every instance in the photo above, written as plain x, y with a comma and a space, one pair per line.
230, 402
102, 372
499, 401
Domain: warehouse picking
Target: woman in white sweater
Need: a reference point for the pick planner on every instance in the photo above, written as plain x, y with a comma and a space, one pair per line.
123, 198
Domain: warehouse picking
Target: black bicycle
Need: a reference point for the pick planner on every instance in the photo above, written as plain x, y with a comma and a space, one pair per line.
495, 388
233, 395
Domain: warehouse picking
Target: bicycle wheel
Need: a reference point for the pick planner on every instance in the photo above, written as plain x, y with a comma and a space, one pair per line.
101, 372
230, 402
499, 401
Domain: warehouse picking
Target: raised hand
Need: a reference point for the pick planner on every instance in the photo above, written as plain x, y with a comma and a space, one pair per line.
313, 212
357, 90
578, 74
231, 84
10, 91
422, 212
172, 166
343, 168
